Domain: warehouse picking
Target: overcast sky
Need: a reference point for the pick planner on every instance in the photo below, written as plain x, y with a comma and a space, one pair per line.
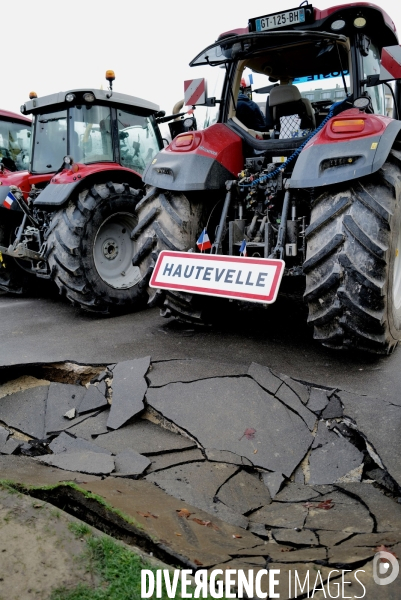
54, 45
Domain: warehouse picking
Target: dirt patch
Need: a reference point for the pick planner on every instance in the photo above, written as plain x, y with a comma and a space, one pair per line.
70, 372
25, 382
38, 552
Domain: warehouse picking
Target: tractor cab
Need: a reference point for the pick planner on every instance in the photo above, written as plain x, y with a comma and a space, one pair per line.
15, 142
297, 64
91, 127
315, 58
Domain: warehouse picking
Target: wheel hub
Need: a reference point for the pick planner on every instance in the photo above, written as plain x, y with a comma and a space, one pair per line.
113, 251
110, 249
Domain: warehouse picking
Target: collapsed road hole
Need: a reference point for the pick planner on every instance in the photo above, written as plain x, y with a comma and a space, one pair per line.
74, 373
178, 434
62, 372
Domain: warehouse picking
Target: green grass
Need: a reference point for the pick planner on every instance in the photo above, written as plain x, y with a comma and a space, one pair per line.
118, 569
7, 484
79, 529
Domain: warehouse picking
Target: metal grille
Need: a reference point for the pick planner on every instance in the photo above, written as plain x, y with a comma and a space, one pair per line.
289, 126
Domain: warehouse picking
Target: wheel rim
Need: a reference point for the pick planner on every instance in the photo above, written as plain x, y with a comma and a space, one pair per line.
397, 274
113, 251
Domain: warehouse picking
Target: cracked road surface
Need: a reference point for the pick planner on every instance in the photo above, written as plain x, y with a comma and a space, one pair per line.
238, 448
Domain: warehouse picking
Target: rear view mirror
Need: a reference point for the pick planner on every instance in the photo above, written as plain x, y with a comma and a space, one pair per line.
390, 67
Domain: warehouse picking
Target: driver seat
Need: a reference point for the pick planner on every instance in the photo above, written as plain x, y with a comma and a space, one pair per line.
286, 101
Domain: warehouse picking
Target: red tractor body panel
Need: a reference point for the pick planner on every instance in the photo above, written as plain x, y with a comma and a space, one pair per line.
80, 171
198, 160
217, 142
327, 12
11, 116
350, 128
24, 180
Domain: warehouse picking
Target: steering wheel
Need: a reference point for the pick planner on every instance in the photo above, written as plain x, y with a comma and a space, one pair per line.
322, 103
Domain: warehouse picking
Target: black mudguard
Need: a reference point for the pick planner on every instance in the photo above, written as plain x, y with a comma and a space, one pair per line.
369, 154
55, 195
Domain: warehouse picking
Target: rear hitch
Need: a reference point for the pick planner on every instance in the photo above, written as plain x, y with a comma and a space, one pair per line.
279, 249
217, 245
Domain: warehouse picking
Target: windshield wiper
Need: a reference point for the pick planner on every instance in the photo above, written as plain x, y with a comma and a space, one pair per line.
53, 119
342, 70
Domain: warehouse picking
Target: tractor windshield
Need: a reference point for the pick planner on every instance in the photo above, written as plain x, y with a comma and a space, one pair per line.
89, 137
50, 143
316, 63
15, 145
138, 140
90, 134
86, 133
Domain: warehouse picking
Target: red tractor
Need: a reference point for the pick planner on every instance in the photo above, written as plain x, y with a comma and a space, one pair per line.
312, 195
15, 133
69, 217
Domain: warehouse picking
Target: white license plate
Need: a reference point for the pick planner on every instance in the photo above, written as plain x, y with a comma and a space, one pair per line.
237, 277
284, 19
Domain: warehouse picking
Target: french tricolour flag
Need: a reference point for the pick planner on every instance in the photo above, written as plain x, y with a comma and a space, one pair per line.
203, 242
242, 249
247, 80
10, 201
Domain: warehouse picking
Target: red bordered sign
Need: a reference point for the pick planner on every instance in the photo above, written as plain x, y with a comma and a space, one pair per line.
194, 91
390, 67
240, 278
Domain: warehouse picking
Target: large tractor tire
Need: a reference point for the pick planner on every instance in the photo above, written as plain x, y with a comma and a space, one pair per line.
90, 250
14, 278
167, 221
353, 262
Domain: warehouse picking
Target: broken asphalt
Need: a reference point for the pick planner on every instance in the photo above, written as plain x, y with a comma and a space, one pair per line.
239, 447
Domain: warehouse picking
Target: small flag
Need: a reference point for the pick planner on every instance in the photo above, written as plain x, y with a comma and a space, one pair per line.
247, 80
203, 242
10, 202
242, 249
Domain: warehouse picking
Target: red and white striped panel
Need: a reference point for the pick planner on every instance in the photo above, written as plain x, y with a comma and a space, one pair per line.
194, 92
390, 67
